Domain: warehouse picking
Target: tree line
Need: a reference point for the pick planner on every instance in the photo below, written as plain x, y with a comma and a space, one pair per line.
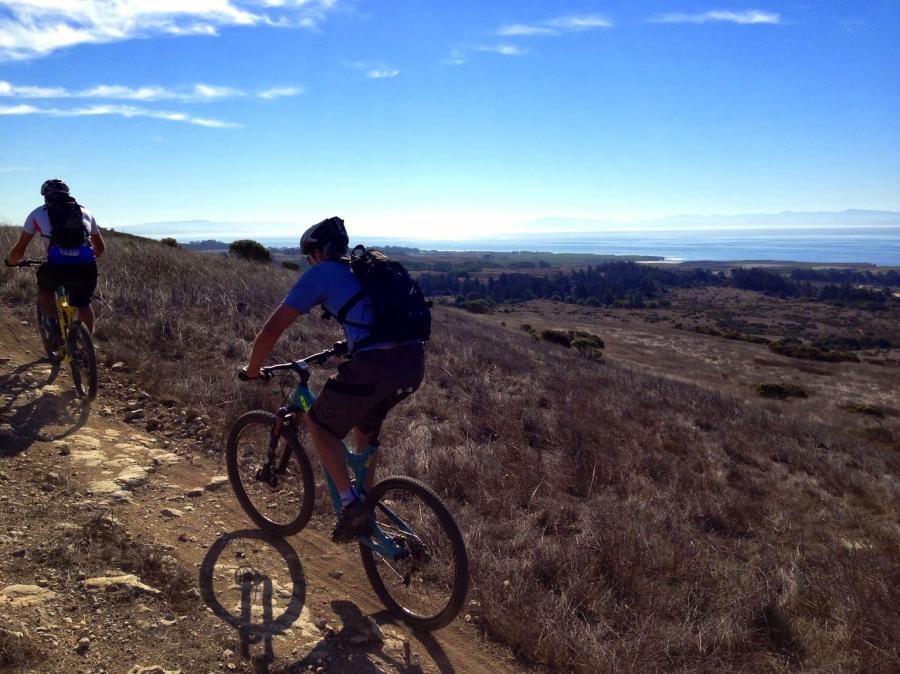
800, 284
612, 283
628, 284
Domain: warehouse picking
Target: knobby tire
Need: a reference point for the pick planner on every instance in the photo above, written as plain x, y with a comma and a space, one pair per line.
48, 340
288, 442
84, 361
385, 581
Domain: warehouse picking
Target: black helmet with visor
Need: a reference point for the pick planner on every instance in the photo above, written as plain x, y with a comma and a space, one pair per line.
54, 187
329, 236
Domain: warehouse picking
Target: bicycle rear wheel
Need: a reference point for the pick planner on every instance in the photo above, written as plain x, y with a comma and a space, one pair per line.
427, 586
84, 361
52, 340
279, 497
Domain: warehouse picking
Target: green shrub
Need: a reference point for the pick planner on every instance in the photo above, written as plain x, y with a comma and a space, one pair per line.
588, 348
577, 339
293, 266
866, 408
527, 327
780, 391
169, 241
561, 337
476, 306
795, 348
583, 340
248, 249
706, 330
840, 343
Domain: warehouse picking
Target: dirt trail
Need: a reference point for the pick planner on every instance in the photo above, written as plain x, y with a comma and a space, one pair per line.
62, 471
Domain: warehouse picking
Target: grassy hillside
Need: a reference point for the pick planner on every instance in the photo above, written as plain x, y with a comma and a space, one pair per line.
616, 521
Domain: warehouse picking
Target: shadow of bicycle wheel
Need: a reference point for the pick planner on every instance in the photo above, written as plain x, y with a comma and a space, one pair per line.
231, 589
34, 408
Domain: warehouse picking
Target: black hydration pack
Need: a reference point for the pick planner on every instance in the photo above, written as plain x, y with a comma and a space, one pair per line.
67, 228
400, 311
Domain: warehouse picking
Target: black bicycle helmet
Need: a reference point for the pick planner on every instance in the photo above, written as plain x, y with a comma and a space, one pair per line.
54, 186
328, 235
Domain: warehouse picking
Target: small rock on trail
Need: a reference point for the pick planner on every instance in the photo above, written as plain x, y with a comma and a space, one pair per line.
25, 595
217, 483
128, 583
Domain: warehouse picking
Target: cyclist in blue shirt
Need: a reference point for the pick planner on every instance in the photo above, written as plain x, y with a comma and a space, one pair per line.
358, 398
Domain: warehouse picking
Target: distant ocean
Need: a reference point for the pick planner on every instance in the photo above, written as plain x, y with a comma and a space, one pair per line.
876, 245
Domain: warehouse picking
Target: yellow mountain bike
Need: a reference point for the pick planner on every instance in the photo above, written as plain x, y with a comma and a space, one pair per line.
66, 339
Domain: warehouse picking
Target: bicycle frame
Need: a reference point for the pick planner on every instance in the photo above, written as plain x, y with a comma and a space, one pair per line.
302, 399
67, 317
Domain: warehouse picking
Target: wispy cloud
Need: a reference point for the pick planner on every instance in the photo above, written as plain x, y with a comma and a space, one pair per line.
34, 28
146, 94
382, 74
524, 30
853, 25
457, 58
580, 22
374, 70
560, 25
751, 16
557, 26
115, 110
460, 55
279, 92
504, 49
15, 169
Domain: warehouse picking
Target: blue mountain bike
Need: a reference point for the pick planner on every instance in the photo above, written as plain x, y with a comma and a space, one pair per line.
414, 554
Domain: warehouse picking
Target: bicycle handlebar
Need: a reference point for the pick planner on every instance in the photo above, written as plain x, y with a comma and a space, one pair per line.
24, 263
298, 366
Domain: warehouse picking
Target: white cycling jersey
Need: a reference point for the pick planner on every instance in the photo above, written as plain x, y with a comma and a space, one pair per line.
38, 222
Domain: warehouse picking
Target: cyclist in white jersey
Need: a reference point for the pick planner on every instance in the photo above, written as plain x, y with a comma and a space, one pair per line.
71, 259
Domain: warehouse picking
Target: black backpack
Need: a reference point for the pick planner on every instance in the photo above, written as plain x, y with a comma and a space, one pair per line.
67, 223
400, 311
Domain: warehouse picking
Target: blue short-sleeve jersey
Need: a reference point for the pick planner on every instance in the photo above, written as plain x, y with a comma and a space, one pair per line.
331, 284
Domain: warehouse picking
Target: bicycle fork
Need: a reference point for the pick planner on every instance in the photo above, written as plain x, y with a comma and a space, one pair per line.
269, 472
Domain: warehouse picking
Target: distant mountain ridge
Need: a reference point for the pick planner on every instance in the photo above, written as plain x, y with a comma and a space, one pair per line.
197, 230
846, 218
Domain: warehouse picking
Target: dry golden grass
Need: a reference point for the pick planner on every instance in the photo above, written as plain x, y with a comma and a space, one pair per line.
616, 521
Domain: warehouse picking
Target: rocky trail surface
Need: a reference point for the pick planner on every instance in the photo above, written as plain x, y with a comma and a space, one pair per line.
122, 549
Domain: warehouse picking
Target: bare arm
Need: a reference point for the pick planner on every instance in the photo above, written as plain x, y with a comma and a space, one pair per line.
97, 243
18, 251
278, 322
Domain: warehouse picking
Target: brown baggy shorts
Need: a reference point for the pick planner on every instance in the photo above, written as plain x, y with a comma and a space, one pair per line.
366, 387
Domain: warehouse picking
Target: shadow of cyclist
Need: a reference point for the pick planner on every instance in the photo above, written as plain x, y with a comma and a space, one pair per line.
426, 639
255, 583
31, 404
356, 649
243, 576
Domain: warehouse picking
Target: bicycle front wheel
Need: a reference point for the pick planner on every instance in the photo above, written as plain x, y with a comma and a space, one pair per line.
426, 584
50, 338
84, 361
278, 495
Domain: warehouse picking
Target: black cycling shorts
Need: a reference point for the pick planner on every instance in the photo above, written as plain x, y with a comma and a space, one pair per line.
367, 387
80, 281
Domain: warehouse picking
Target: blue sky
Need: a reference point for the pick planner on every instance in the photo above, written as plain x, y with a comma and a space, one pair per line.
444, 119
